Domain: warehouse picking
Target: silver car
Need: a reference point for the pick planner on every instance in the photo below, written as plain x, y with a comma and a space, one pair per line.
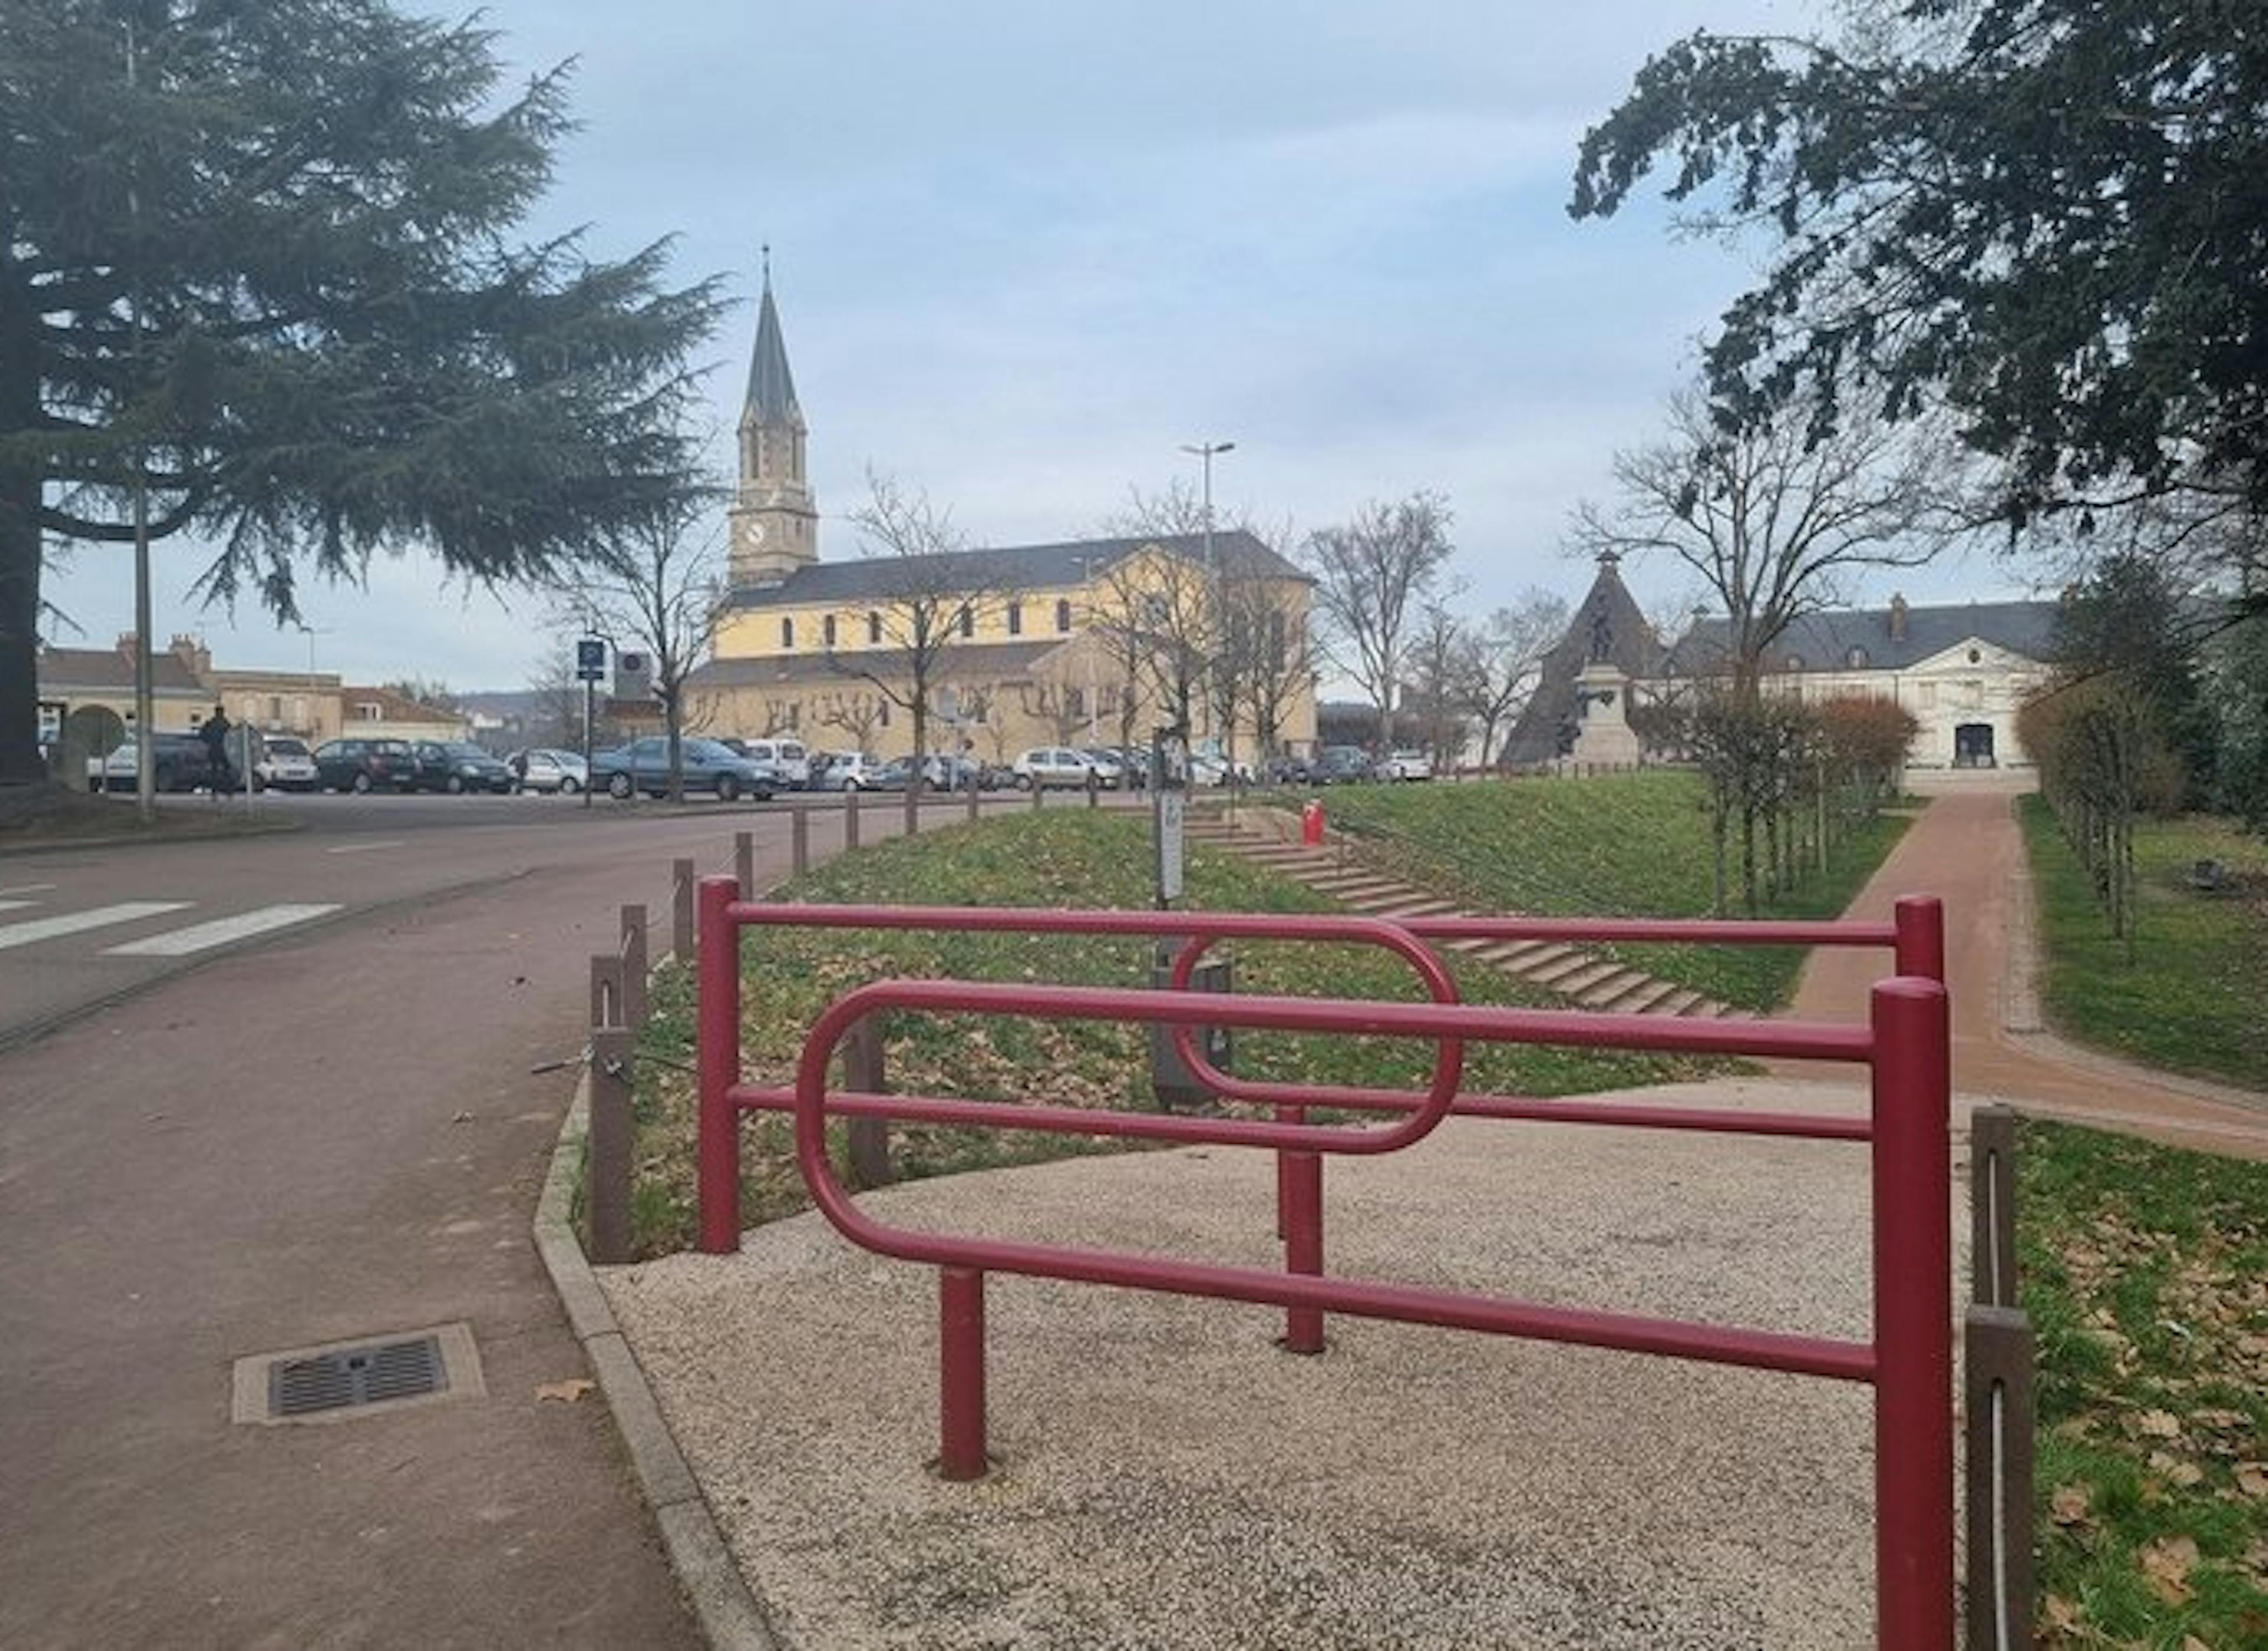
546, 769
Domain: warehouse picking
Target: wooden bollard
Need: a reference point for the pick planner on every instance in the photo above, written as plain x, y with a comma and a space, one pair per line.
869, 1138
850, 816
635, 1005
680, 928
799, 840
609, 1185
744, 862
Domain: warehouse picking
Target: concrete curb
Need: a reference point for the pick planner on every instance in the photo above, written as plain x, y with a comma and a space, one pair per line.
728, 1614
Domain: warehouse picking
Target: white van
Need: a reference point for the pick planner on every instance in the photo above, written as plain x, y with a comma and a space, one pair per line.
786, 756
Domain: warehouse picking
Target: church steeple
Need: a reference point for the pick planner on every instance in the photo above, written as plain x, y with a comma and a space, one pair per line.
775, 523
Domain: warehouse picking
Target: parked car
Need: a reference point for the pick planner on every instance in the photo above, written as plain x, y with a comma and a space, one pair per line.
1289, 770
358, 765
285, 765
1398, 765
708, 766
456, 766
788, 757
180, 762
543, 769
1044, 766
844, 770
1108, 764
1340, 765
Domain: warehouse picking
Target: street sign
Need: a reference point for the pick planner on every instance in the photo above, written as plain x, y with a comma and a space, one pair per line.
590, 659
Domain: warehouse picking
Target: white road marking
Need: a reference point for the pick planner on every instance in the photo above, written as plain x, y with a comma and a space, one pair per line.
16, 905
202, 936
357, 848
100, 916
27, 889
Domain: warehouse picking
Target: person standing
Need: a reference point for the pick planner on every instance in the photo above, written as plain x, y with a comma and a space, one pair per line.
215, 732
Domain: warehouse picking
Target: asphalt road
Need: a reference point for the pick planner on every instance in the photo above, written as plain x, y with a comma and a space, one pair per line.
330, 1128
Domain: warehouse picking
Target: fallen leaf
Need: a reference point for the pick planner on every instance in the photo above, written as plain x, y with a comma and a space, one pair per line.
2158, 1425
2062, 1615
2166, 1562
2068, 1505
2182, 1473
2252, 1477
2191, 1642
566, 1392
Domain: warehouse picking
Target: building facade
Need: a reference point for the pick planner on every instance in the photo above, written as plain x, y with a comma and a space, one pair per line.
1084, 642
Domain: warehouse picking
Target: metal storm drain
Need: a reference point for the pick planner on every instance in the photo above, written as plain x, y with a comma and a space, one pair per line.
342, 1379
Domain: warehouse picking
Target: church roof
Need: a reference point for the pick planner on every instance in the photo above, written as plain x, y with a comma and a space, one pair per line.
771, 387
1608, 614
964, 662
1893, 638
1067, 566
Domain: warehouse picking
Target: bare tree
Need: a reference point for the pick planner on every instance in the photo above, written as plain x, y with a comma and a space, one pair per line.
1274, 659
1368, 575
1440, 661
1773, 517
1168, 608
856, 713
651, 586
1505, 661
930, 599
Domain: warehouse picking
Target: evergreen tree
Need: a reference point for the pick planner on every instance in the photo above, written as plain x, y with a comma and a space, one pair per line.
256, 266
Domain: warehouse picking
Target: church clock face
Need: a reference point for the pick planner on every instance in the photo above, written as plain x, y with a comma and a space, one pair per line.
756, 533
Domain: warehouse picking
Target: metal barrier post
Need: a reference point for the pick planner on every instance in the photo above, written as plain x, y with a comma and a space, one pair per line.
1996, 1391
680, 928
799, 839
961, 1373
1919, 920
1303, 1244
869, 1138
636, 1006
609, 1180
850, 816
1913, 1316
1993, 1206
717, 1061
744, 863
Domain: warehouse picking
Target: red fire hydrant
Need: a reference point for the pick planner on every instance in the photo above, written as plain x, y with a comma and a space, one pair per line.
1311, 824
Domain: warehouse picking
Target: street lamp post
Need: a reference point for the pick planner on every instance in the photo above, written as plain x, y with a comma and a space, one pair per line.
1205, 451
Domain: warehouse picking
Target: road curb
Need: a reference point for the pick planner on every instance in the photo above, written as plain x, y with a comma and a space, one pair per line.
727, 1612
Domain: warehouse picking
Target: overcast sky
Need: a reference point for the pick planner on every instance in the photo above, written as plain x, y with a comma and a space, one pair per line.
1024, 251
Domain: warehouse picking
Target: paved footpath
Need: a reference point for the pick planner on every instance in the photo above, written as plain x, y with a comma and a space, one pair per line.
1967, 848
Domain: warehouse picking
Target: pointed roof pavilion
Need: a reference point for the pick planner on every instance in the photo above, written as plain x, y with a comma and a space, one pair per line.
1607, 625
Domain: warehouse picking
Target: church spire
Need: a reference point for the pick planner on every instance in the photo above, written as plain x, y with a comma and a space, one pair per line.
775, 522
771, 387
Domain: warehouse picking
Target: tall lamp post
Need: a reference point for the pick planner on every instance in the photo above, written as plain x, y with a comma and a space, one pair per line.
1205, 451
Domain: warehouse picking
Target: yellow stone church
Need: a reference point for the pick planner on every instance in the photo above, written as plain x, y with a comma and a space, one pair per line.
1090, 642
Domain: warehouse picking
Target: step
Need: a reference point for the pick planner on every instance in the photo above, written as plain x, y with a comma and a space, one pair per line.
1684, 1001
1633, 994
1518, 956
1416, 905
1543, 973
1575, 982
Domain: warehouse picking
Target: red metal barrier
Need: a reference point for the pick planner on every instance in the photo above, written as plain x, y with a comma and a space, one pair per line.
1908, 1360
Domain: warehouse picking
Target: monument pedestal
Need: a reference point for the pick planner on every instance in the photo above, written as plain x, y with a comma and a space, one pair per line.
1605, 739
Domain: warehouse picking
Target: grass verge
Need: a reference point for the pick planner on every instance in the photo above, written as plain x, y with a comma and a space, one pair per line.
1065, 858
2190, 1000
2144, 1271
1609, 845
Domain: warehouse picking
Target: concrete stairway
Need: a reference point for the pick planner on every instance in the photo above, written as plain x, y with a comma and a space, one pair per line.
1584, 978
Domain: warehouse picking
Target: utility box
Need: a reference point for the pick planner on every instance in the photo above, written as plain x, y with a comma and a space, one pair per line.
1170, 1077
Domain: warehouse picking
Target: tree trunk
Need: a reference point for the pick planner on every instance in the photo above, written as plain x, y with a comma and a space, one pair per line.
19, 542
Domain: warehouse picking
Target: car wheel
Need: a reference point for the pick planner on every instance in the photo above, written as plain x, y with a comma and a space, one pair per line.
453, 785
727, 788
360, 785
569, 786
1024, 782
618, 786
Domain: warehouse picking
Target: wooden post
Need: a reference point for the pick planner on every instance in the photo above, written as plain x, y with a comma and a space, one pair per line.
799, 839
608, 1184
850, 816
606, 990
913, 800
1993, 1206
680, 928
1998, 1411
972, 794
635, 1005
1038, 791
869, 1138
744, 862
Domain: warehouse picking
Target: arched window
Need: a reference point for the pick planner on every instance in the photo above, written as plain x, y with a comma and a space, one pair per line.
1015, 619
1857, 660
1063, 615
827, 630
873, 629
787, 631
968, 622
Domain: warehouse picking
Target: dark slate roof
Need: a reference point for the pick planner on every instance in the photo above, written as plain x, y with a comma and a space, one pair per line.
1825, 640
771, 387
1241, 555
961, 661
1631, 647
109, 670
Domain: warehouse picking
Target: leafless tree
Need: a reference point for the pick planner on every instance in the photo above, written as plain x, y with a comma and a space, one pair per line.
651, 587
1166, 611
1369, 575
1274, 659
930, 599
856, 713
1504, 661
1440, 688
1061, 706
1773, 518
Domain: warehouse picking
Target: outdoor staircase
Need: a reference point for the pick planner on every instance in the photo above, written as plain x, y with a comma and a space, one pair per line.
1583, 978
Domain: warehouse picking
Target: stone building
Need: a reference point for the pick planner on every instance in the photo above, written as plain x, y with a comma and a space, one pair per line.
1069, 643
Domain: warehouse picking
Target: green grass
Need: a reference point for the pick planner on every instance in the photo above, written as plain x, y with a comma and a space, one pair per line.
1063, 858
1613, 845
2144, 1270
2190, 1000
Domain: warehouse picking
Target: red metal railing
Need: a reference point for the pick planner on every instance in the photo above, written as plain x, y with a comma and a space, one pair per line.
1905, 1043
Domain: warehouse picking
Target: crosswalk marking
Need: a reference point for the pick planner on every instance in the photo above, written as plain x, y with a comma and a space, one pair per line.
73, 923
11, 905
201, 936
27, 889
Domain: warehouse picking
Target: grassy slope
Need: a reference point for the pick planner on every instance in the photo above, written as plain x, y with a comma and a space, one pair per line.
2191, 999
1621, 845
1062, 857
2144, 1271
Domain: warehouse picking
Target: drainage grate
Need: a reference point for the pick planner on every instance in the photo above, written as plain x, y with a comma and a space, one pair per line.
370, 1375
357, 1375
